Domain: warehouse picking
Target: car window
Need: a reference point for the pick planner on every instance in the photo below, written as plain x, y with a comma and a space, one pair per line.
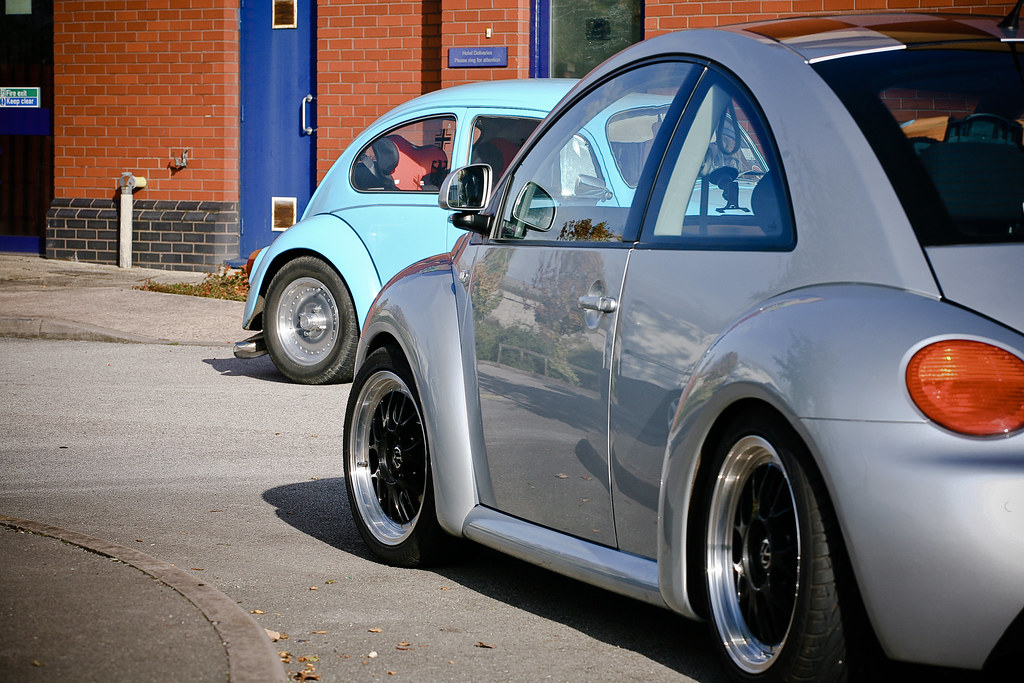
630, 137
948, 126
724, 189
411, 158
497, 139
577, 184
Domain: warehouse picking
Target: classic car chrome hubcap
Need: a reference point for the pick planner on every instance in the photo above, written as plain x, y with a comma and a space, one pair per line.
307, 321
312, 321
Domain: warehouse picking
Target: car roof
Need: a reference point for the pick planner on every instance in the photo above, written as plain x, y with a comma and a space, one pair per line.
534, 94
831, 37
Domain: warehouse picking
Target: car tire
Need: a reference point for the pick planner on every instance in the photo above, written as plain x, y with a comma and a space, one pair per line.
310, 323
771, 560
388, 472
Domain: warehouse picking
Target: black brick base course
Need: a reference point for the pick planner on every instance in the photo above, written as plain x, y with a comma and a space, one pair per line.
171, 235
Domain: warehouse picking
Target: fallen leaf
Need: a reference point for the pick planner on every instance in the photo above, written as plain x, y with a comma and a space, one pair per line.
256, 611
274, 635
320, 633
372, 655
560, 475
482, 644
376, 629
36, 662
445, 588
313, 588
330, 581
197, 569
403, 646
392, 673
286, 657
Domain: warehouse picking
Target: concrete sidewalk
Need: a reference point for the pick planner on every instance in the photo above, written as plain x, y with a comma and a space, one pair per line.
46, 298
74, 607
77, 608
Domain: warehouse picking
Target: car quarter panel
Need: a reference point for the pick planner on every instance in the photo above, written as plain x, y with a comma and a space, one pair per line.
333, 240
418, 312
831, 361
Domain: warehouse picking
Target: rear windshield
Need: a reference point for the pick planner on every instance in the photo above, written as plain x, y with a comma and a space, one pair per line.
948, 125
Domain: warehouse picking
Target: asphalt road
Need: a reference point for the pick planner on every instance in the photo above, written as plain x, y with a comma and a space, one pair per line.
221, 467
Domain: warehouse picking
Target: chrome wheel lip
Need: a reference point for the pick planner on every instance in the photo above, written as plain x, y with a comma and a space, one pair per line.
307, 321
378, 522
744, 648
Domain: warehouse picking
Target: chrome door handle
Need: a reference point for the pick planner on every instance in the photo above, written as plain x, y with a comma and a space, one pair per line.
605, 304
306, 128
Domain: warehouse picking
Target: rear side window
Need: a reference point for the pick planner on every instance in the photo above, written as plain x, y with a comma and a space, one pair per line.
723, 188
411, 158
947, 126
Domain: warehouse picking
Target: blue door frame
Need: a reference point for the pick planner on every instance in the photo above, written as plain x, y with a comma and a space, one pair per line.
278, 126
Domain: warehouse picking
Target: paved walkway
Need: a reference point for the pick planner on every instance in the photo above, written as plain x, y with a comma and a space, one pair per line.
75, 607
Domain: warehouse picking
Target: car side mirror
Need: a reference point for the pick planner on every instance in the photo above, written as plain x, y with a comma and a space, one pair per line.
534, 209
592, 187
466, 189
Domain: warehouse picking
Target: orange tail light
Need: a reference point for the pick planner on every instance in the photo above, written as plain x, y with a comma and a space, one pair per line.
969, 387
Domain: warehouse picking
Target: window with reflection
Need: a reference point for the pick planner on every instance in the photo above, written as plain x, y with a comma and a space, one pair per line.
725, 188
577, 184
411, 158
497, 140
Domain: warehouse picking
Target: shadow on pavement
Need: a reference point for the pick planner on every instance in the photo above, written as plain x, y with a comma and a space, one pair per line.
257, 368
320, 509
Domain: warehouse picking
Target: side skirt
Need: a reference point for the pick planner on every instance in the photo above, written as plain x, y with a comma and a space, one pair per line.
630, 575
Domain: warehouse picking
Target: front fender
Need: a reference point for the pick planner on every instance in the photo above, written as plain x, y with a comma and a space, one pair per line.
828, 353
417, 310
329, 238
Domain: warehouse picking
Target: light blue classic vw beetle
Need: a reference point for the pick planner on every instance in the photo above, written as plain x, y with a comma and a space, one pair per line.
374, 213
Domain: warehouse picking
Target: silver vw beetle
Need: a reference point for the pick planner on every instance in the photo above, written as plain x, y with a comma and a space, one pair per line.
740, 333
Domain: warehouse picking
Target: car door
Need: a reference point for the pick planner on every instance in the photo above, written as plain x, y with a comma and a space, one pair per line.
718, 239
544, 292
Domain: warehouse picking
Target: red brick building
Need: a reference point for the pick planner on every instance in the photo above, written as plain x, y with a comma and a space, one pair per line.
183, 92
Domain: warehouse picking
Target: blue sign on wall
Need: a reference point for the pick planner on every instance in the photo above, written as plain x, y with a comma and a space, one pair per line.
477, 57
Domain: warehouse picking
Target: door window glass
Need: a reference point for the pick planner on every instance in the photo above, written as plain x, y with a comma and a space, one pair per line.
411, 158
497, 139
725, 188
578, 182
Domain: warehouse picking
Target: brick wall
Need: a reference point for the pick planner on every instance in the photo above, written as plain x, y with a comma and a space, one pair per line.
465, 24
138, 81
373, 56
663, 16
135, 83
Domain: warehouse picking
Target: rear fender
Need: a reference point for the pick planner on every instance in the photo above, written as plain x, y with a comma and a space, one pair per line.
835, 352
329, 238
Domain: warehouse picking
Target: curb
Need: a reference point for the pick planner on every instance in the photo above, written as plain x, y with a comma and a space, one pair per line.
49, 328
251, 657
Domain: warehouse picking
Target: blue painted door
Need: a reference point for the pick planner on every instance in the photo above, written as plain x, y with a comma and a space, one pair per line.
278, 136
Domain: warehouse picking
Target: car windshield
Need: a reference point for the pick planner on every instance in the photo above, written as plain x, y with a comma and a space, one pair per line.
946, 123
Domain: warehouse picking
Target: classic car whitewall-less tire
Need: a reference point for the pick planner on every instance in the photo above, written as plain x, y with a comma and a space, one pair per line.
772, 585
387, 465
310, 323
